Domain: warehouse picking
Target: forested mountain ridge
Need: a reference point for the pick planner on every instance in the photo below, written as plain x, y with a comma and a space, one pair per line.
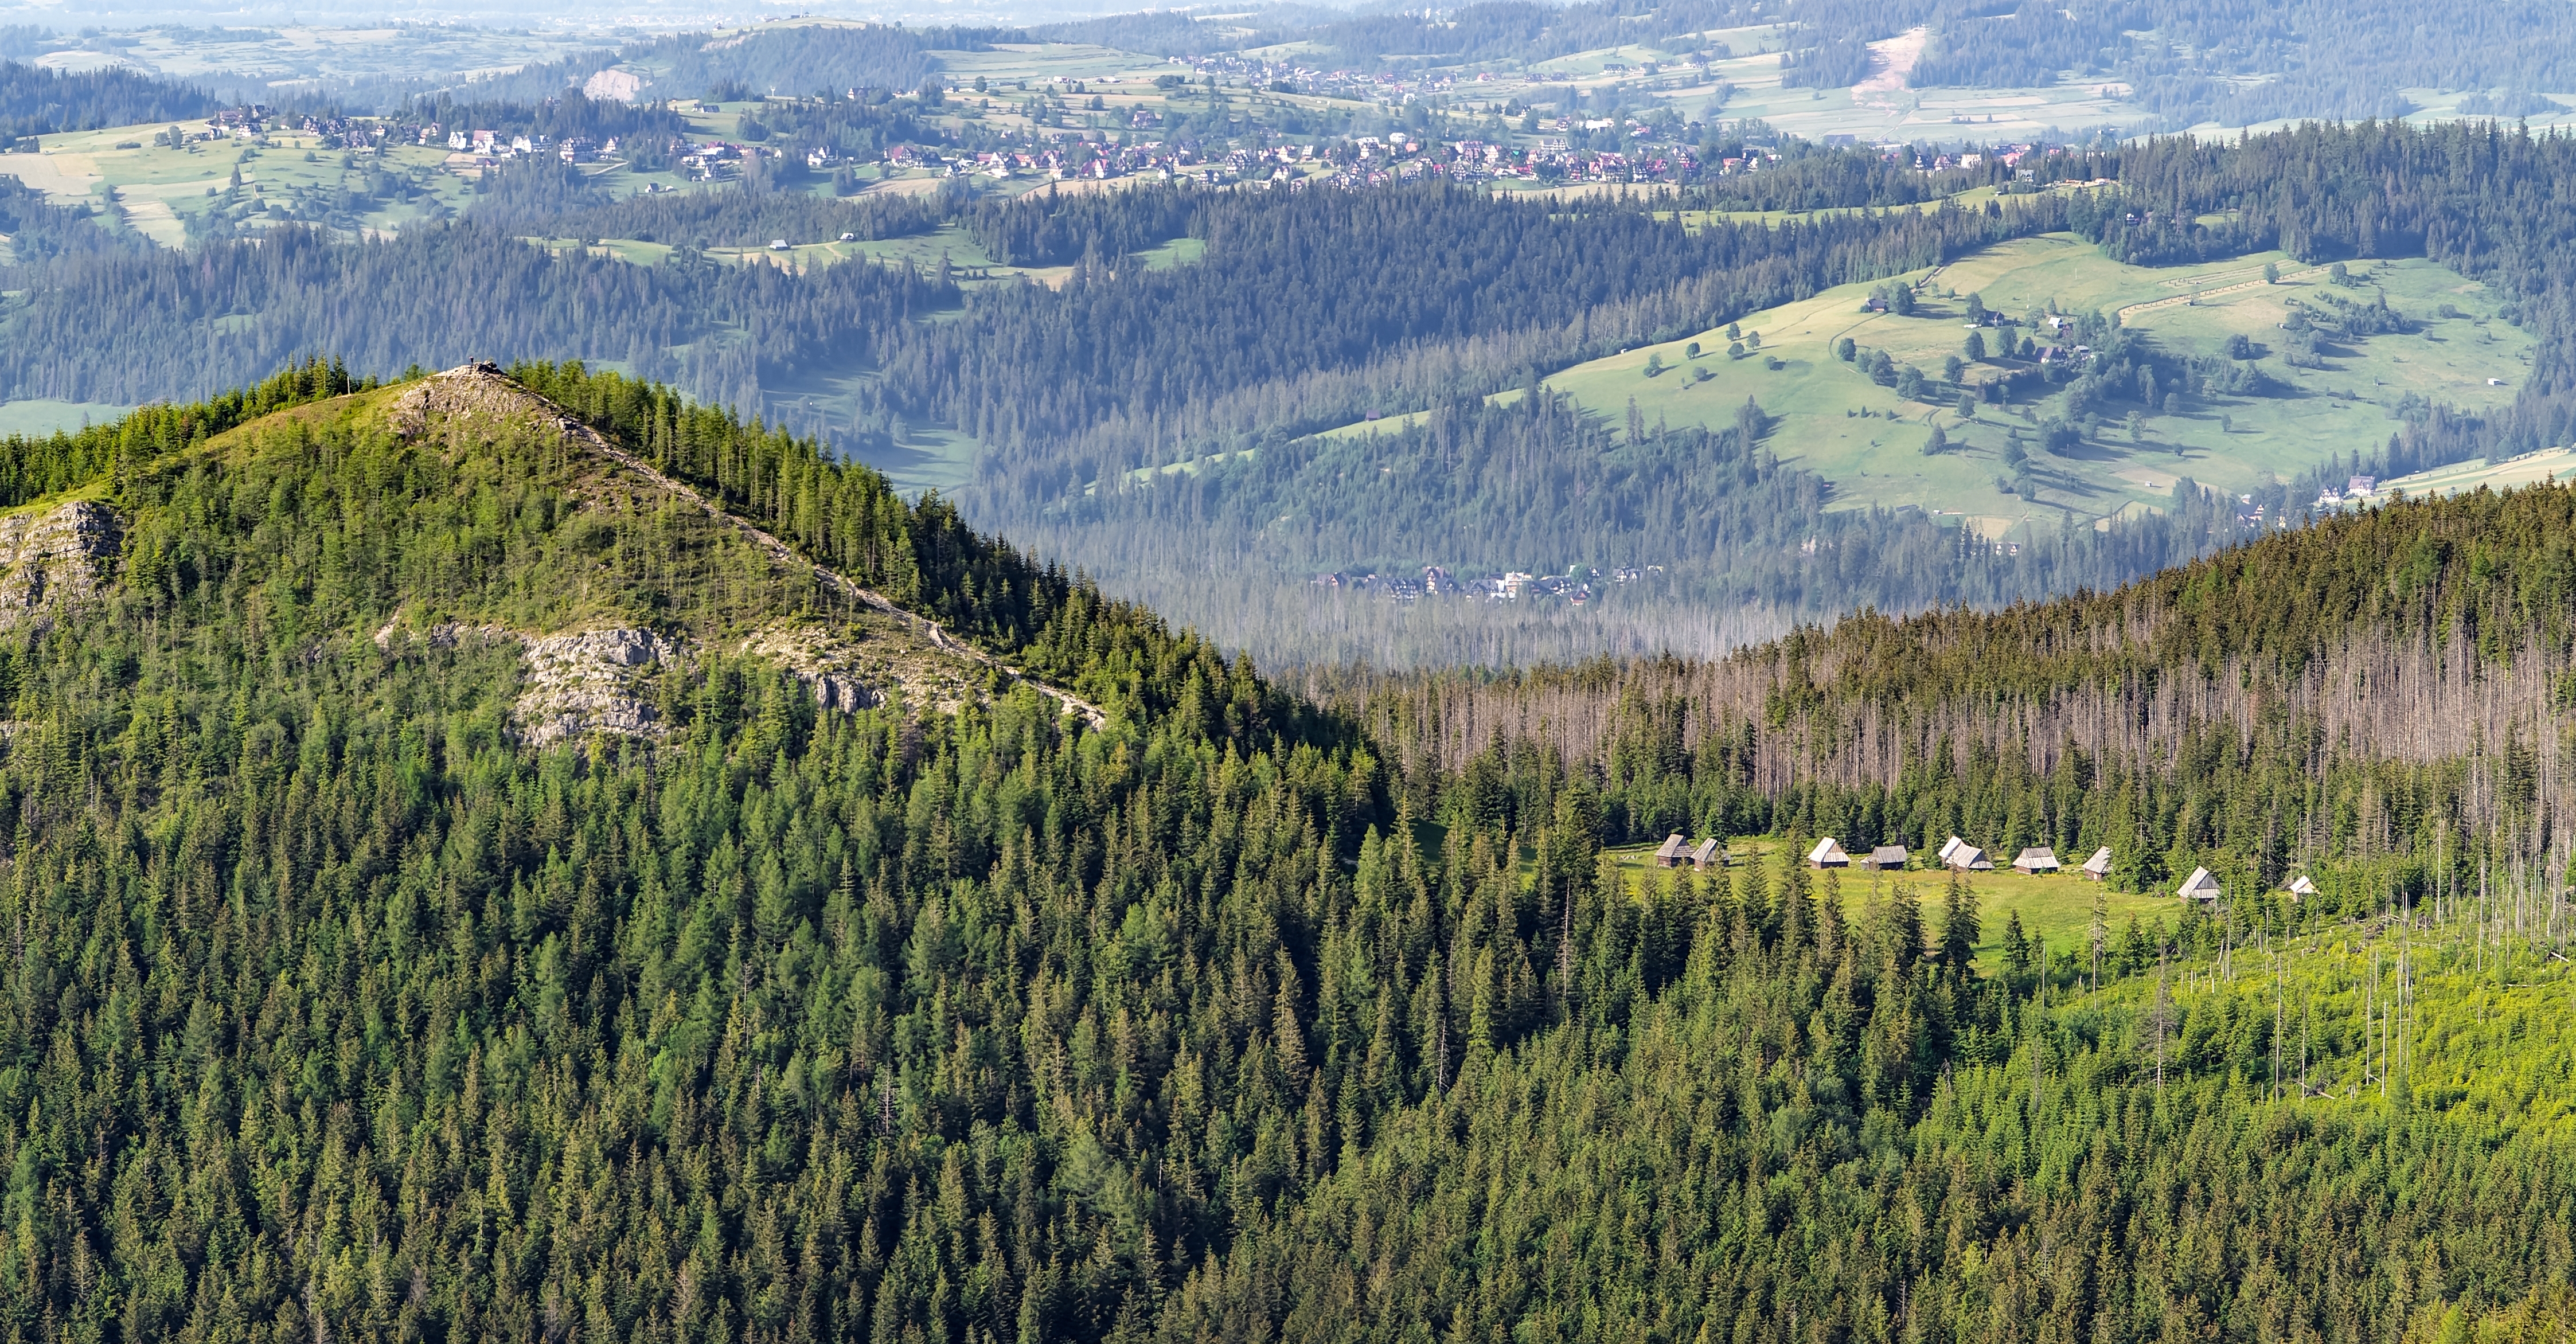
341, 590
341, 1004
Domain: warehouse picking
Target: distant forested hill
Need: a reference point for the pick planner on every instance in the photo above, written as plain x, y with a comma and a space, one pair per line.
797, 61
2243, 701
2188, 61
38, 101
95, 328
1349, 283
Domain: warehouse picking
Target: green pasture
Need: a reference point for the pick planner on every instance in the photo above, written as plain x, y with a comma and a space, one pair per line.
1829, 416
154, 189
1178, 252
2057, 908
923, 457
2543, 466
1038, 62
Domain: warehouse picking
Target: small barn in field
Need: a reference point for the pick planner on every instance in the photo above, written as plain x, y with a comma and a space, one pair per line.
2200, 886
2035, 859
2098, 868
1674, 850
1888, 858
1828, 854
1710, 854
1965, 857
2301, 888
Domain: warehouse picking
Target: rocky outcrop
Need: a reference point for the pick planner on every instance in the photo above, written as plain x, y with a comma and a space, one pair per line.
601, 681
53, 559
591, 682
827, 664
476, 391
483, 391
579, 683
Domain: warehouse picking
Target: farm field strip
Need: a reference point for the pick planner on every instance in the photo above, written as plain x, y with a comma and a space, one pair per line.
2189, 300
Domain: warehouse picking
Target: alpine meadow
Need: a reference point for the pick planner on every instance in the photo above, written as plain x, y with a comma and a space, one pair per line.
1635, 670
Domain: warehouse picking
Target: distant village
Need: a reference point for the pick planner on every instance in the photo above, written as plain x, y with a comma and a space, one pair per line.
1575, 586
1566, 150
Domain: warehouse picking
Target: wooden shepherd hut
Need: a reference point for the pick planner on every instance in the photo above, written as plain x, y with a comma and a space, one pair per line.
2035, 859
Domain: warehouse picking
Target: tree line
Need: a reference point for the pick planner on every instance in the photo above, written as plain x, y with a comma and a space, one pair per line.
36, 100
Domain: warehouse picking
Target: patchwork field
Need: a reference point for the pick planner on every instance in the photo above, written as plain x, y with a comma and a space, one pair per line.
1831, 417
156, 190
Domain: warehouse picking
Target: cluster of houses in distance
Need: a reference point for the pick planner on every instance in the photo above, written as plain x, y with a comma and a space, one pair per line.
1574, 586
1955, 854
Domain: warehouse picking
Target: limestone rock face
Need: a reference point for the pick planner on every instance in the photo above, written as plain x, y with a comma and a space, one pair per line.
49, 560
578, 683
591, 682
829, 663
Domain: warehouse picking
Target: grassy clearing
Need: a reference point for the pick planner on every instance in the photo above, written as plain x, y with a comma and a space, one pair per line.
1907, 115
1829, 417
2479, 1038
1178, 252
2057, 907
926, 457
1036, 61
2546, 466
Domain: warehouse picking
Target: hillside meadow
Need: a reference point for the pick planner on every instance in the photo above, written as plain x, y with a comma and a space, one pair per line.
1829, 417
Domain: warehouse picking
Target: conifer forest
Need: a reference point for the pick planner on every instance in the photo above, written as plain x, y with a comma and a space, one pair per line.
816, 727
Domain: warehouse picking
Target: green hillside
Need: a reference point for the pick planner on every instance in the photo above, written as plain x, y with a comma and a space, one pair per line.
500, 854
1870, 439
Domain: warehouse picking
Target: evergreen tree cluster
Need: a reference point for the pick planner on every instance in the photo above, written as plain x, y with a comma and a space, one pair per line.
101, 328
559, 200
36, 100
